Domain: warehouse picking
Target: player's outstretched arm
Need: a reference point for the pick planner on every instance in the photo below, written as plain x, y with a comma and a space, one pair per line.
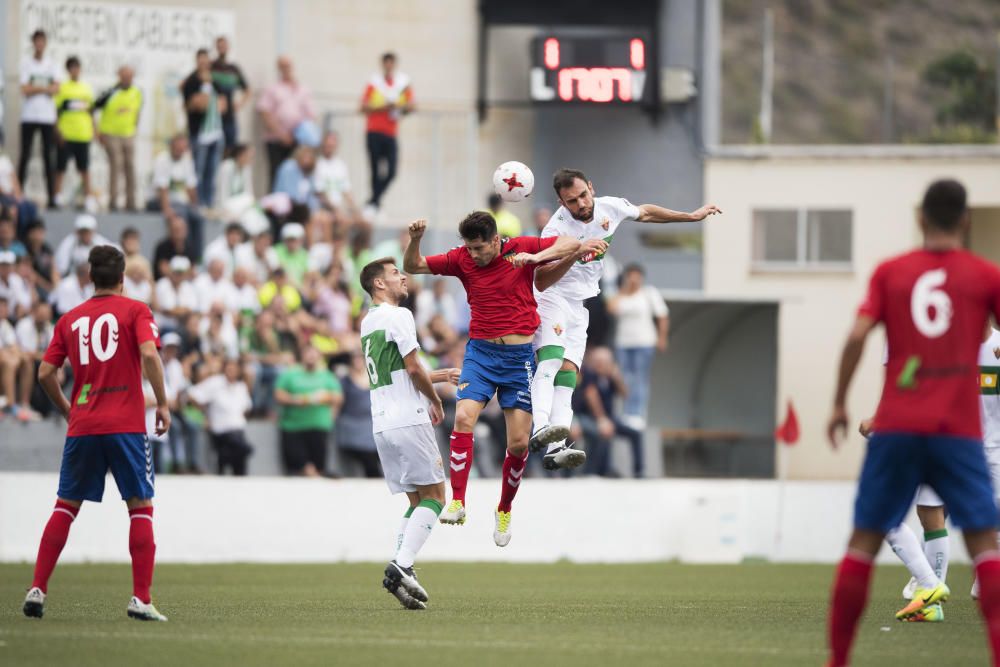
855, 345
565, 246
654, 213
422, 381
152, 368
49, 381
413, 261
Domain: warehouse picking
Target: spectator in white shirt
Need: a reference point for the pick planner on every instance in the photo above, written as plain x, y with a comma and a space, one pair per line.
436, 301
13, 290
234, 192
175, 296
34, 332
39, 85
246, 300
10, 360
139, 283
72, 290
212, 287
258, 256
218, 335
183, 440
175, 184
75, 248
333, 181
226, 401
225, 247
642, 327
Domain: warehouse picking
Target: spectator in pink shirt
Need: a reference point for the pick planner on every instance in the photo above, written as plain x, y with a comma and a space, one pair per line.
284, 106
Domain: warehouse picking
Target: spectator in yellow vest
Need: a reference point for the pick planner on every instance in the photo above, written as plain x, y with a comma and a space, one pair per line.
75, 125
508, 224
116, 130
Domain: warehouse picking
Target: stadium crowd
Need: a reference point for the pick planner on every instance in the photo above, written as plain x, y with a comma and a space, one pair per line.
262, 322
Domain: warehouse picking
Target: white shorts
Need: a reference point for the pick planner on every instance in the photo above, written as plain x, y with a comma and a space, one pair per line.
410, 457
927, 497
564, 324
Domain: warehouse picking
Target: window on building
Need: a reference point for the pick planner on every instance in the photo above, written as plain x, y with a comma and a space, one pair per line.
802, 238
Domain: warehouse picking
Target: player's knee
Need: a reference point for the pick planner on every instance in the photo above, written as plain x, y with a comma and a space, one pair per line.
568, 365
518, 445
435, 492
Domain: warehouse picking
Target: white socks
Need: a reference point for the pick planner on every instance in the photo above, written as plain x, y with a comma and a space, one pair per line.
418, 529
401, 531
562, 410
542, 392
905, 544
938, 549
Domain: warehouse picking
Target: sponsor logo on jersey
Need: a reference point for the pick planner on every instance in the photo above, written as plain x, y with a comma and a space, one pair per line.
996, 352
558, 329
605, 224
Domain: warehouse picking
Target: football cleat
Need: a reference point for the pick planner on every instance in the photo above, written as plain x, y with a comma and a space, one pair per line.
454, 514
922, 598
405, 577
142, 611
546, 435
931, 614
501, 534
405, 599
910, 587
564, 456
34, 603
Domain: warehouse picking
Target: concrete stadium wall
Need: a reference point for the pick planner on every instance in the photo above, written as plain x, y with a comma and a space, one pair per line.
294, 520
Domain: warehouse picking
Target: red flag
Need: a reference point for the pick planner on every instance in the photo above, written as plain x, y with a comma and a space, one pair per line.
788, 432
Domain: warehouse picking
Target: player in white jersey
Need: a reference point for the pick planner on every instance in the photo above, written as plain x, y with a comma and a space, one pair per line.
561, 338
405, 409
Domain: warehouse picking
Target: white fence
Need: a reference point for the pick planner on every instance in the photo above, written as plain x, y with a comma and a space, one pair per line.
210, 519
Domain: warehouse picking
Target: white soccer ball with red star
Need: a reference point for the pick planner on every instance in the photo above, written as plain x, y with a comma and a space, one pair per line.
513, 181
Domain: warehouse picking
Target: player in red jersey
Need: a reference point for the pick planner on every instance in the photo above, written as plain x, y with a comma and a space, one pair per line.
498, 275
110, 341
934, 303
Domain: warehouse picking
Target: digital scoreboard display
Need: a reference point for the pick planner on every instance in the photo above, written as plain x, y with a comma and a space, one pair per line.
592, 70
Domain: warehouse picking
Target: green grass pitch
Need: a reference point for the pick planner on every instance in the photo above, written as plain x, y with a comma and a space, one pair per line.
479, 614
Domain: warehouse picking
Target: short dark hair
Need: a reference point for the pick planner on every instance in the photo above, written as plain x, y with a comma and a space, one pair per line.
494, 201
944, 204
72, 62
478, 225
201, 52
388, 55
107, 266
38, 33
565, 178
634, 266
374, 269
130, 232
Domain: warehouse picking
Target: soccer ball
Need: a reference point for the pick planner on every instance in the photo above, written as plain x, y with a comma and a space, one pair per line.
513, 181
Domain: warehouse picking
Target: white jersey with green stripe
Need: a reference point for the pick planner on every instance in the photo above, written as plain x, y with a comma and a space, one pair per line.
989, 389
388, 333
583, 280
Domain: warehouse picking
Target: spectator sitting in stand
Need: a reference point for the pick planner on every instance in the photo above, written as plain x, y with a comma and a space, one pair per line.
132, 248
10, 361
333, 181
295, 178
226, 401
508, 224
284, 106
139, 283
436, 301
245, 298
13, 290
72, 290
34, 332
218, 335
226, 247
291, 253
175, 183
234, 194
268, 352
175, 295
355, 439
23, 211
8, 239
308, 395
175, 243
183, 440
258, 256
75, 248
213, 287
593, 403
43, 259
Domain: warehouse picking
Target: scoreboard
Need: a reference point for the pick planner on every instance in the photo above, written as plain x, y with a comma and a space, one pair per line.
605, 69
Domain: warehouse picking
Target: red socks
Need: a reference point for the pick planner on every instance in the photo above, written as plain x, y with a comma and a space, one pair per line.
461, 463
850, 595
513, 468
53, 541
988, 571
143, 551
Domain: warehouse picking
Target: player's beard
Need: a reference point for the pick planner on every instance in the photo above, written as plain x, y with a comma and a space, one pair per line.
584, 218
